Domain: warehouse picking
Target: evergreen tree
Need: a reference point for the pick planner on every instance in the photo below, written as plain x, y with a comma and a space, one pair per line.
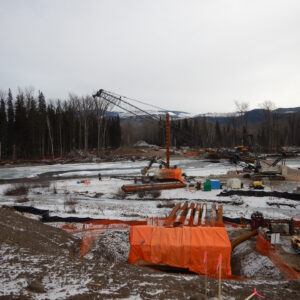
42, 123
3, 130
33, 130
10, 124
20, 125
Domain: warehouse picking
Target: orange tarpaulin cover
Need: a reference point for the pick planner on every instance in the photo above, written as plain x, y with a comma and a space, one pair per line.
169, 173
181, 247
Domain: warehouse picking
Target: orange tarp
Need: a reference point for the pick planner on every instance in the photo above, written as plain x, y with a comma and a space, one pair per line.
169, 173
181, 247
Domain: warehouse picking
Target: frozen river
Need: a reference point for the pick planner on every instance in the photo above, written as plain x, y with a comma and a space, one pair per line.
191, 167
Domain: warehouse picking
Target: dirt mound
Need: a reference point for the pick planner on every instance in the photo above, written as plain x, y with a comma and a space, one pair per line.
247, 262
37, 238
111, 246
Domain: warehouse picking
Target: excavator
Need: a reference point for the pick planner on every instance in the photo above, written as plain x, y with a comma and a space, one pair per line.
265, 168
169, 178
146, 170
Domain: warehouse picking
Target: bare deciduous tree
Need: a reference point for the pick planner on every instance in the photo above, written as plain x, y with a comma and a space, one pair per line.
101, 107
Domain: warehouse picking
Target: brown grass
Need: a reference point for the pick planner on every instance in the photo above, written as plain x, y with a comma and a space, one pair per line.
22, 200
17, 190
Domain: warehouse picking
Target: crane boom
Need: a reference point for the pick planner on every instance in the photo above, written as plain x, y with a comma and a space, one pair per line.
122, 103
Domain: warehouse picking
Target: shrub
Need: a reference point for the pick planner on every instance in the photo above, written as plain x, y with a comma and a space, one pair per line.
155, 194
17, 190
22, 200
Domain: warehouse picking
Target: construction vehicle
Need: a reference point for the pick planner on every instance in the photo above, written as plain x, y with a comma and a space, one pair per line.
272, 168
241, 149
146, 170
171, 175
265, 168
295, 241
257, 185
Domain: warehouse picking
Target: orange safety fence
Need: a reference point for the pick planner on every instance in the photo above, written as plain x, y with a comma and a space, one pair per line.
92, 229
99, 224
182, 247
88, 239
264, 247
191, 153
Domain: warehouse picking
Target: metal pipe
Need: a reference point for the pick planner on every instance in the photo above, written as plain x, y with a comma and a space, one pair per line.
170, 220
168, 140
197, 215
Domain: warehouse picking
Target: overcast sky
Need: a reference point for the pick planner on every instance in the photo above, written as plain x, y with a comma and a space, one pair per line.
196, 56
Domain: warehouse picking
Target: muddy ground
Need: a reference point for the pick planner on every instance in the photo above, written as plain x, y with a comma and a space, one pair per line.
42, 262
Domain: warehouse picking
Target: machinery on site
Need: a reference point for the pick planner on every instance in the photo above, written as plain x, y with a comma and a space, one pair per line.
153, 160
171, 177
295, 241
272, 170
257, 185
264, 168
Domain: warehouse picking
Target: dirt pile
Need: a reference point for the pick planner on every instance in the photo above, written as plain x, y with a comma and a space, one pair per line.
111, 246
247, 262
32, 235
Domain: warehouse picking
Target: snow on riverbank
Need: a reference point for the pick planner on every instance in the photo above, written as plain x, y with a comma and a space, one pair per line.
104, 199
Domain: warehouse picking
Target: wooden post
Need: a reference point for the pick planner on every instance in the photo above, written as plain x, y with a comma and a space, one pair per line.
205, 280
205, 273
220, 277
168, 140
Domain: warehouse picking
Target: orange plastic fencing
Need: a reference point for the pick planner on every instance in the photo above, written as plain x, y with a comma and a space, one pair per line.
191, 153
264, 247
182, 247
99, 224
88, 239
92, 229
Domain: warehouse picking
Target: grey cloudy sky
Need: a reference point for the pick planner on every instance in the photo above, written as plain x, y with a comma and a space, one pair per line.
197, 56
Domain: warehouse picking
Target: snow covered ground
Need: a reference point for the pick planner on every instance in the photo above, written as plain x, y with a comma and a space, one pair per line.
192, 167
103, 199
64, 277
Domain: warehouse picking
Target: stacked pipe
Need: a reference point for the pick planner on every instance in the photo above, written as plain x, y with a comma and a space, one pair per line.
194, 215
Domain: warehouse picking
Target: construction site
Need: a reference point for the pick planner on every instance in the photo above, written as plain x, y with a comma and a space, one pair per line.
152, 222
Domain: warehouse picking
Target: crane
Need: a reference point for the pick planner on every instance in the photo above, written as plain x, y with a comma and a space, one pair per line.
168, 174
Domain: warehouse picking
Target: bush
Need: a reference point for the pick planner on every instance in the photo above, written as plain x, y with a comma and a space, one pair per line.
69, 205
22, 200
141, 194
17, 190
155, 194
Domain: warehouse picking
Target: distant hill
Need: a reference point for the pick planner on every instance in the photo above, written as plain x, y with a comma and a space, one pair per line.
175, 114
253, 116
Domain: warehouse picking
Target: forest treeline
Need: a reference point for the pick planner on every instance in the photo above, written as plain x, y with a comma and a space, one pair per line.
274, 132
32, 127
